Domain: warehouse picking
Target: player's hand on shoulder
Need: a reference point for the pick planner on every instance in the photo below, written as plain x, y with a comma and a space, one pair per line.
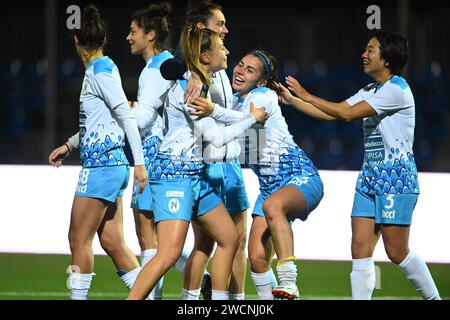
202, 106
260, 114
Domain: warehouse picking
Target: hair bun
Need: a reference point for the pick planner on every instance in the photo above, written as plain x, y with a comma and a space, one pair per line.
91, 14
162, 9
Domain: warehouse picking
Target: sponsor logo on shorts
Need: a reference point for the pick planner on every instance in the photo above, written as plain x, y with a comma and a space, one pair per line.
299, 181
82, 189
388, 214
175, 194
174, 205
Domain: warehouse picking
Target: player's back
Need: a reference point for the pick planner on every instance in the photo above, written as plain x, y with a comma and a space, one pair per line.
101, 136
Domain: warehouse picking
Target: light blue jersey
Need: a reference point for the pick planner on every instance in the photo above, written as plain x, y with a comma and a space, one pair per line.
101, 136
181, 151
274, 156
389, 166
178, 173
152, 92
222, 96
223, 170
104, 118
180, 154
387, 187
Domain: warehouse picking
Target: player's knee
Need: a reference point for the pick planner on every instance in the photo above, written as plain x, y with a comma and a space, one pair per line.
111, 245
77, 243
231, 241
361, 249
171, 257
258, 263
396, 253
272, 210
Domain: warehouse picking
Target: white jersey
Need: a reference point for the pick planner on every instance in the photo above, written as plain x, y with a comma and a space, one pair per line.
271, 151
180, 154
222, 95
152, 93
101, 136
389, 166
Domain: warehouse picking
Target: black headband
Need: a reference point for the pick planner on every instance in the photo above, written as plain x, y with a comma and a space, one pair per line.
265, 62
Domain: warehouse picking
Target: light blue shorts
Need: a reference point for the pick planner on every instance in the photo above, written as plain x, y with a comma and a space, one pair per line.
144, 200
228, 183
179, 199
385, 209
106, 183
310, 186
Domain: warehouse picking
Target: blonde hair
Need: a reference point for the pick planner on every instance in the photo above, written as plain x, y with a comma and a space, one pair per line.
194, 42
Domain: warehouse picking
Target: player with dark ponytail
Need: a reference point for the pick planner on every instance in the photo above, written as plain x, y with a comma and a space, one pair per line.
105, 118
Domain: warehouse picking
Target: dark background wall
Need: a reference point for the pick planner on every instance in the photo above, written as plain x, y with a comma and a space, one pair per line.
320, 43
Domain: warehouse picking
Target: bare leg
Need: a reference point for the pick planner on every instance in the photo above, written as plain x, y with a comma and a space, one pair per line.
198, 259
260, 247
218, 225
237, 282
171, 238
287, 202
365, 236
112, 239
86, 216
260, 252
145, 229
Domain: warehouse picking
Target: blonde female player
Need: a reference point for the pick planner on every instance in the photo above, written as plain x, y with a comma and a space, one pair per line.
179, 173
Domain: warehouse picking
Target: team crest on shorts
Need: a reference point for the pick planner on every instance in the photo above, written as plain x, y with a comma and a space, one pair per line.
174, 205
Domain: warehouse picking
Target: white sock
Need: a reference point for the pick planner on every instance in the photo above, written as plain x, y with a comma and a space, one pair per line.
190, 294
287, 271
130, 277
181, 262
237, 296
263, 284
273, 278
418, 274
362, 278
146, 256
79, 285
220, 295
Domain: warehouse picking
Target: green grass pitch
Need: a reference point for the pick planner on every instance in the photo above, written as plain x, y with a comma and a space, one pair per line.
43, 277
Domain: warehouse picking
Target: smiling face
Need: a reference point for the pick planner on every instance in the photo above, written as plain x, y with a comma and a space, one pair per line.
373, 64
247, 75
138, 40
216, 23
218, 56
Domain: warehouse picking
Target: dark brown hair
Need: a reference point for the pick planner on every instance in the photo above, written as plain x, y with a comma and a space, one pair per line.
155, 17
92, 34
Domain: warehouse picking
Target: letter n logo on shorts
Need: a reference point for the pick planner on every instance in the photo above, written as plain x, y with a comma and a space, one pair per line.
174, 205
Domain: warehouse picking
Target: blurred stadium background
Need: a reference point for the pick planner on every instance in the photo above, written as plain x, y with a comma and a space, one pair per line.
318, 42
